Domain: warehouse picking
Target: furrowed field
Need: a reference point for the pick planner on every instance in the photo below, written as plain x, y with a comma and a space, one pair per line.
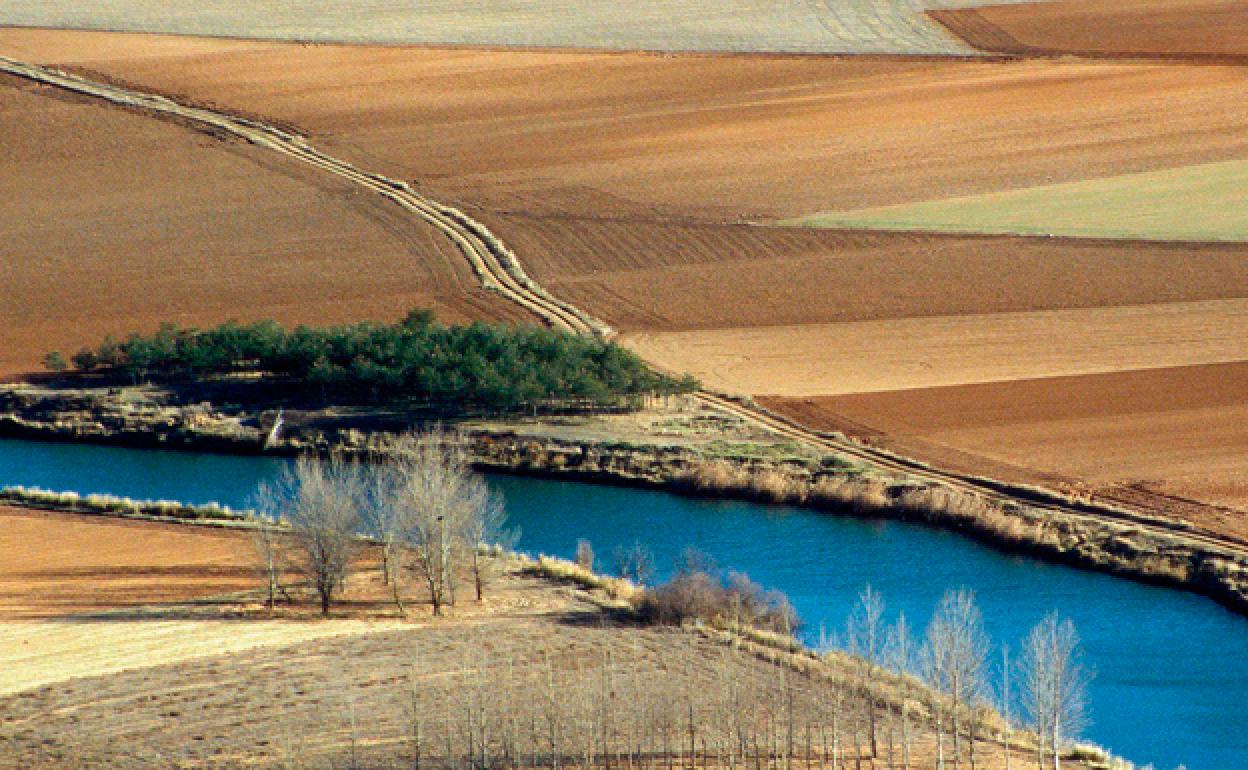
643, 188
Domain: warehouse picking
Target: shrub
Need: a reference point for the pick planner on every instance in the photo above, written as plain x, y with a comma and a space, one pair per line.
727, 601
55, 362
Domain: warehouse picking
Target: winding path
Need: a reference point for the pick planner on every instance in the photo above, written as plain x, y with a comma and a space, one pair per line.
499, 270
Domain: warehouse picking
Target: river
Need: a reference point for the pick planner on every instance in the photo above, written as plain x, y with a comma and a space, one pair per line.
1171, 668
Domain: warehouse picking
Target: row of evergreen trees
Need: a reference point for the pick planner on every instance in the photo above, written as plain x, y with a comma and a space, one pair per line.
492, 367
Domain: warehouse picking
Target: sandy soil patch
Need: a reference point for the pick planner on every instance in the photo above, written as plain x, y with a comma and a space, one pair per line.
868, 356
116, 222
1175, 431
642, 136
1205, 202
34, 654
852, 26
1172, 28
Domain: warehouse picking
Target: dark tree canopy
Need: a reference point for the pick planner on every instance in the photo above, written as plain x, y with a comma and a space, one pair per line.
486, 366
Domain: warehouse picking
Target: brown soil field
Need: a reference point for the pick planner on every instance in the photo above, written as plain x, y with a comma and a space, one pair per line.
1174, 432
54, 564
116, 222
713, 137
1211, 30
648, 276
623, 181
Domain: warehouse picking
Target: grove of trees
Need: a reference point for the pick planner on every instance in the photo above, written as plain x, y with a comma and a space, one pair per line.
491, 367
432, 517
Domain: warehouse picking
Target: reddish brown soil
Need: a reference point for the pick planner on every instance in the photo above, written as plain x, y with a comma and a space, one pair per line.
612, 174
116, 222
56, 564
716, 137
1174, 432
1208, 30
653, 276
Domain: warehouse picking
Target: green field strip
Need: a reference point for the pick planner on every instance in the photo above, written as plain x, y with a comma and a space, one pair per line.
1206, 202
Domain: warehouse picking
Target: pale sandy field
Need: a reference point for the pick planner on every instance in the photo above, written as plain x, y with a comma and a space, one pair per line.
822, 26
869, 356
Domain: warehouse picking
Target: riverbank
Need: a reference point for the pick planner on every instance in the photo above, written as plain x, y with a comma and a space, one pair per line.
682, 447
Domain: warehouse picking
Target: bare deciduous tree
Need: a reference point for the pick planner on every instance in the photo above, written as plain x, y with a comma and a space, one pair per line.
899, 654
1054, 684
955, 658
387, 521
1005, 701
270, 552
447, 512
321, 500
585, 554
865, 634
483, 525
635, 563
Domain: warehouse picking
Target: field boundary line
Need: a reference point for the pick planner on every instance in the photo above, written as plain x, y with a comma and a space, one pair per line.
500, 270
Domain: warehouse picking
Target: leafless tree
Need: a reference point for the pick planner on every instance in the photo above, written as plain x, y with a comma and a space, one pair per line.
270, 553
635, 563
866, 636
1054, 684
321, 500
483, 526
1005, 701
900, 656
447, 511
585, 554
387, 521
956, 656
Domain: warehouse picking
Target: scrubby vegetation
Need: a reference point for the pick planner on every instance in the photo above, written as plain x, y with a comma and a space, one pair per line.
122, 506
491, 367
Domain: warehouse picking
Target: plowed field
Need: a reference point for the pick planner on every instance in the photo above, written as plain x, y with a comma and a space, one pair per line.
1175, 431
116, 222
895, 354
54, 564
716, 138
657, 277
625, 180
1176, 29
846, 26
1202, 202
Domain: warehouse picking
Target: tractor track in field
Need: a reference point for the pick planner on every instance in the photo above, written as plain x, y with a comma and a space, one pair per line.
500, 270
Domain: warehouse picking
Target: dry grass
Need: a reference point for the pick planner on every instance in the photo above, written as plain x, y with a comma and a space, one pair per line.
113, 505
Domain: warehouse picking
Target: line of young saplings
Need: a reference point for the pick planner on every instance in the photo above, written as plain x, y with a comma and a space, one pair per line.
490, 367
947, 671
872, 701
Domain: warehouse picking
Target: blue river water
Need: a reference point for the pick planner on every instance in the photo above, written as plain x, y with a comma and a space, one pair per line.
1171, 668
